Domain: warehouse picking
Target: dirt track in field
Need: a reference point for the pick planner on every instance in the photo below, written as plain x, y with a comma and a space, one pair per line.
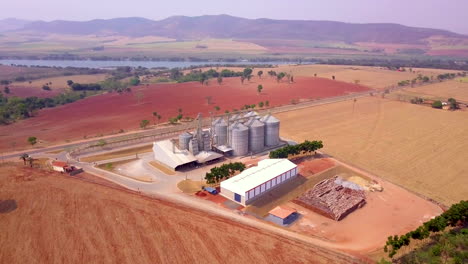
421, 148
64, 220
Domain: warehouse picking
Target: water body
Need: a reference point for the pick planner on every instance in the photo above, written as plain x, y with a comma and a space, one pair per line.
112, 64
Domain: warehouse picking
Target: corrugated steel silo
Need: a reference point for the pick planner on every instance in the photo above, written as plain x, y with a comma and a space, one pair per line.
251, 114
220, 131
272, 127
184, 140
193, 146
239, 135
256, 135
206, 141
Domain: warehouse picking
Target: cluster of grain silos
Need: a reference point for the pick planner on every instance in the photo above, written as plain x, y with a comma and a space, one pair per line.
249, 133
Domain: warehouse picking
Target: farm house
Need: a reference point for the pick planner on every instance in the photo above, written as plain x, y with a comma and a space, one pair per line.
256, 181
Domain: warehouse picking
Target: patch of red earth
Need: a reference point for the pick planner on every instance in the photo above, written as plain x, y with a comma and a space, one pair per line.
286, 49
449, 52
110, 112
313, 166
24, 91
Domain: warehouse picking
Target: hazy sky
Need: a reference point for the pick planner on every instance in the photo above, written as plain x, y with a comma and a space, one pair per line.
444, 14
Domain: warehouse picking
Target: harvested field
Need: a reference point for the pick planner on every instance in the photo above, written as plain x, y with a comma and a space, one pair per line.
99, 115
443, 90
59, 85
421, 148
374, 77
62, 219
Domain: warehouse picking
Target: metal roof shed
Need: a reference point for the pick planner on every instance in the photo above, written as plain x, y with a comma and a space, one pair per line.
255, 181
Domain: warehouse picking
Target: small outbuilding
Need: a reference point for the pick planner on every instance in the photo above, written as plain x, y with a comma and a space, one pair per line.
59, 166
282, 215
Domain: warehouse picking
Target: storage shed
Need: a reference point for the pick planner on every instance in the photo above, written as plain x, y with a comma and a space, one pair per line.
282, 215
256, 181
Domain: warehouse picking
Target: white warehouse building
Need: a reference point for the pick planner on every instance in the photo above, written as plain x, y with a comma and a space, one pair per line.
256, 181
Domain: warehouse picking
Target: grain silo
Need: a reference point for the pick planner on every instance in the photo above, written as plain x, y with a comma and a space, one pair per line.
193, 146
206, 141
234, 117
220, 131
251, 114
256, 135
272, 126
239, 139
184, 140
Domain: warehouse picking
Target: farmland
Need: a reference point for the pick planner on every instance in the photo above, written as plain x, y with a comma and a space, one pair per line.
420, 148
443, 90
94, 223
108, 113
375, 77
57, 86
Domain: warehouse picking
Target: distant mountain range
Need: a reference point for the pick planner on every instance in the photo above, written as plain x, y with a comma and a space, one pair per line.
225, 26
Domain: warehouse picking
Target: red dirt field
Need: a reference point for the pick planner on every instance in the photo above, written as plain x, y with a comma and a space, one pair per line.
449, 52
110, 112
311, 167
52, 218
23, 91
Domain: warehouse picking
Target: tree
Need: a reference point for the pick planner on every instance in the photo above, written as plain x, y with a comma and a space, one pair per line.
249, 77
32, 140
260, 73
453, 104
217, 108
261, 104
220, 80
155, 114
46, 87
253, 106
259, 88
242, 79
292, 78
135, 81
24, 157
267, 103
437, 104
333, 77
247, 72
144, 123
69, 82
179, 110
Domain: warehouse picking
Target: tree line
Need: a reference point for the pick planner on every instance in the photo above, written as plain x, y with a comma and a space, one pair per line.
225, 171
305, 147
456, 215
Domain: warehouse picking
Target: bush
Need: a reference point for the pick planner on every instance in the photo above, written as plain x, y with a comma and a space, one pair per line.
46, 88
437, 104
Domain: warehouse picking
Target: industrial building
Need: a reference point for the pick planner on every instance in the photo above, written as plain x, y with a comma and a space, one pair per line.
232, 135
256, 181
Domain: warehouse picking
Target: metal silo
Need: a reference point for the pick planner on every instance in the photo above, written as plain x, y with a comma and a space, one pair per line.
220, 131
184, 140
256, 135
272, 126
193, 146
206, 141
251, 114
239, 135
234, 117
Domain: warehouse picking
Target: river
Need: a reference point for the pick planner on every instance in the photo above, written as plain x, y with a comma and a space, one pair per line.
112, 64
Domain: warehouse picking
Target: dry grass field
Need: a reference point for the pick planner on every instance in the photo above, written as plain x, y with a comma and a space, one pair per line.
443, 90
118, 154
373, 77
421, 148
61, 81
51, 218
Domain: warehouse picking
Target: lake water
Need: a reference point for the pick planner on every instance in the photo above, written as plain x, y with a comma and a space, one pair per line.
111, 64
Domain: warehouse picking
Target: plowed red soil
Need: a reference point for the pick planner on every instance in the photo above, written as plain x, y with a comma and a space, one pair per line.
110, 112
59, 219
311, 167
